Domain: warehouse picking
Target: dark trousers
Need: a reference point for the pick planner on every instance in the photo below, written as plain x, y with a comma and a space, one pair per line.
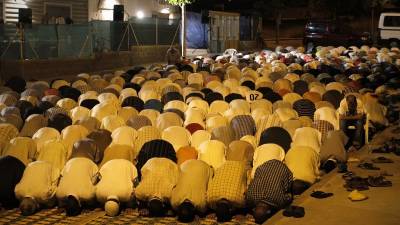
356, 136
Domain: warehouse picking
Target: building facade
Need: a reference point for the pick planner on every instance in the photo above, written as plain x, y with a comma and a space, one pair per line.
81, 11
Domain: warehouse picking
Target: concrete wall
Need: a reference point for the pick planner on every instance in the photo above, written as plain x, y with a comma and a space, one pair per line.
55, 68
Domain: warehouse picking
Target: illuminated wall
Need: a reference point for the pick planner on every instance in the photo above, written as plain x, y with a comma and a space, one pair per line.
103, 9
79, 9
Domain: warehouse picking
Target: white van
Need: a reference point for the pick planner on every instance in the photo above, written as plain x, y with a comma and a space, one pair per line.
389, 29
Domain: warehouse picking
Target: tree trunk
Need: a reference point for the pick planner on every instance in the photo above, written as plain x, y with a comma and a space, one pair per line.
278, 27
373, 24
183, 30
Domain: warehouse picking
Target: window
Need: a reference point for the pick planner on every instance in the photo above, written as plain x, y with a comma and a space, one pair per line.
392, 21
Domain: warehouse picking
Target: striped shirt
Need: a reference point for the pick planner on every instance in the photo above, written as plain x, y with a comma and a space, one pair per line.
224, 134
324, 127
243, 125
271, 184
304, 107
266, 122
146, 134
138, 122
50, 113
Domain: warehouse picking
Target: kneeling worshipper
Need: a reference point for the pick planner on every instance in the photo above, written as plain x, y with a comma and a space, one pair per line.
37, 187
304, 163
22, 148
333, 151
190, 194
226, 190
11, 171
265, 153
86, 148
307, 136
117, 152
77, 185
270, 190
116, 185
159, 177
102, 138
155, 148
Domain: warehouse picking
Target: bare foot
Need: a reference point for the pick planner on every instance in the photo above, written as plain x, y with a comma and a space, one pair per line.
129, 211
144, 212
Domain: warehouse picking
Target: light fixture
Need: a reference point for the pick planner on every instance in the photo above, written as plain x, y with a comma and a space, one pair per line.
140, 14
165, 11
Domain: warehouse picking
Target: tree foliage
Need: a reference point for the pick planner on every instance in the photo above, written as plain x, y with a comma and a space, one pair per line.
180, 2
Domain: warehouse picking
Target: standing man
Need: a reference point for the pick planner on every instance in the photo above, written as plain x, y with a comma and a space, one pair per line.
173, 56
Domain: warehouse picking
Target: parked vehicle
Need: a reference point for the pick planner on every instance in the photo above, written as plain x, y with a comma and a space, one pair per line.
332, 33
389, 29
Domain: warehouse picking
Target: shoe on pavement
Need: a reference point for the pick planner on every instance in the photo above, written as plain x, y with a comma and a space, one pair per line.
356, 196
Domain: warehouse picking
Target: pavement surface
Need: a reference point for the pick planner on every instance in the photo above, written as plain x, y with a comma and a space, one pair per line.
381, 208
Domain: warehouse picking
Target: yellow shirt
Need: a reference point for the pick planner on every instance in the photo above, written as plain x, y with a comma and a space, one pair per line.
22, 148
39, 181
117, 180
159, 176
213, 153
304, 163
229, 182
192, 184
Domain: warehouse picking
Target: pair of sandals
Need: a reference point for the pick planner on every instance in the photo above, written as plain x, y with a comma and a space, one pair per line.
321, 194
382, 159
356, 183
368, 166
379, 181
294, 211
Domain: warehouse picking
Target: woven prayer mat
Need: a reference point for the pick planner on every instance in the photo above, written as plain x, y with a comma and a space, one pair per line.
97, 216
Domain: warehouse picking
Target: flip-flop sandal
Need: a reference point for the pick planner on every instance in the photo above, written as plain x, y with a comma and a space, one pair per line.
379, 182
380, 150
298, 212
356, 183
321, 194
382, 159
386, 174
288, 212
368, 166
342, 168
348, 175
294, 211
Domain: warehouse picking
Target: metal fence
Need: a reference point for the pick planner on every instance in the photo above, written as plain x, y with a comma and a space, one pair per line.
39, 41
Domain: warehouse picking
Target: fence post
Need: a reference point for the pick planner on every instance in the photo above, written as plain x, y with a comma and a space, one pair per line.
157, 30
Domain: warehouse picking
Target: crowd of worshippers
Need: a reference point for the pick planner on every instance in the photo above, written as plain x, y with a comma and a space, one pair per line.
229, 134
